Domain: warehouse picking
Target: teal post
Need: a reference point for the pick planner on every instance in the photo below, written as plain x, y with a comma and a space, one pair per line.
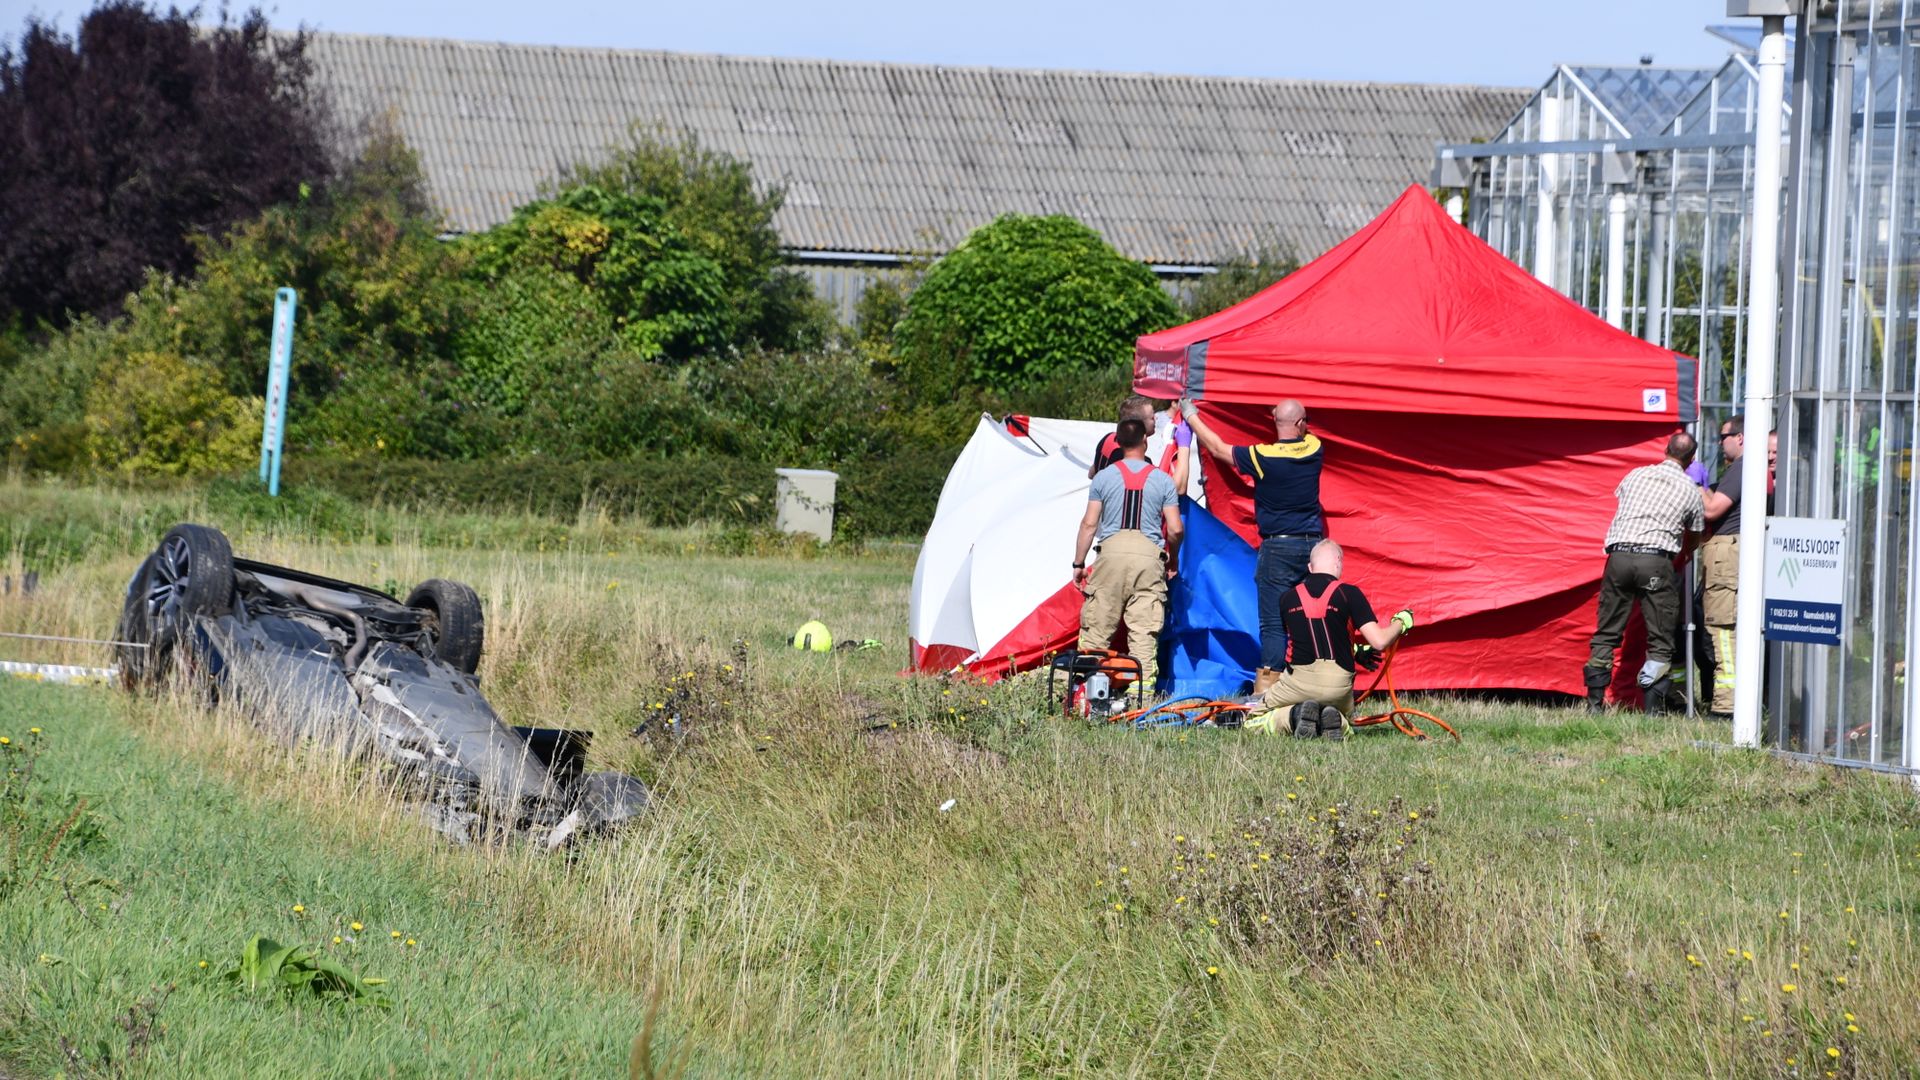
273, 431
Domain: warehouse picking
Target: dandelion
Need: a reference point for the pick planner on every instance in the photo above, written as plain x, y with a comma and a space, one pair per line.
1746, 955
1849, 907
1853, 1029
1691, 959
336, 939
36, 731
1413, 815
1747, 1019
203, 963
1291, 796
1783, 914
1839, 980
355, 927
1212, 971
1179, 839
1833, 1051
1788, 988
1378, 943
1266, 918
1213, 922
1848, 1016
1793, 967
4, 741
299, 909
411, 943
1766, 1033
1099, 881
1298, 779
1733, 952
395, 935
1123, 869
1179, 900
1853, 943
1117, 906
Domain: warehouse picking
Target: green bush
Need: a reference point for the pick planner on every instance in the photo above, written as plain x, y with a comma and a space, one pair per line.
1024, 298
890, 497
1234, 280
880, 497
153, 412
663, 492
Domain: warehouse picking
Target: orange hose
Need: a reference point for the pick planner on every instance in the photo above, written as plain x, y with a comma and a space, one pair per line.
1397, 714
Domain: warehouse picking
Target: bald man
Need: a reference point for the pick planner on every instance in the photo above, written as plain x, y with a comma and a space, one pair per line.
1323, 615
1286, 501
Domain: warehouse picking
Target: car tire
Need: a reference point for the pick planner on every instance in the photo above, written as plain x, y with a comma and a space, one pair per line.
455, 625
190, 574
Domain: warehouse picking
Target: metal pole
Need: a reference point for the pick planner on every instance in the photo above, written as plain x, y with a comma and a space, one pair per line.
1617, 259
1762, 331
1546, 228
273, 429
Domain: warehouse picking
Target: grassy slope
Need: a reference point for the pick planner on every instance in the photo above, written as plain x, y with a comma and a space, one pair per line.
805, 909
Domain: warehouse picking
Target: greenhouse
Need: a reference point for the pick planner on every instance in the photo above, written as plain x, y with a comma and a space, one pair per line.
1630, 189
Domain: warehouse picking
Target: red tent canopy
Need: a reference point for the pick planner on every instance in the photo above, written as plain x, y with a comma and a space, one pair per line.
1476, 424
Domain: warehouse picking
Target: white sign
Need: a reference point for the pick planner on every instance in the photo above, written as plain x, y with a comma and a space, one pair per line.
1653, 399
1805, 579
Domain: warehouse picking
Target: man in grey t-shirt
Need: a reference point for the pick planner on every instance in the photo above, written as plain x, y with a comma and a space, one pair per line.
1133, 521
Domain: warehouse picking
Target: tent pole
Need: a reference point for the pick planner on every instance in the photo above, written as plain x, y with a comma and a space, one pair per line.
1762, 323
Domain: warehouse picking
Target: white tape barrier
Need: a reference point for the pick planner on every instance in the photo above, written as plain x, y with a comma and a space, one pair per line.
69, 674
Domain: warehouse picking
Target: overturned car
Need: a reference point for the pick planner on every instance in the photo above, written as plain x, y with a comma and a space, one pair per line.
352, 667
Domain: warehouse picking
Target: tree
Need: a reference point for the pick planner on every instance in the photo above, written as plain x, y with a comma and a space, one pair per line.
724, 270
123, 145
1234, 280
1024, 298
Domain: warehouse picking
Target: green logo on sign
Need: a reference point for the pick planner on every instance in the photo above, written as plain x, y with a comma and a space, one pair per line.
1790, 570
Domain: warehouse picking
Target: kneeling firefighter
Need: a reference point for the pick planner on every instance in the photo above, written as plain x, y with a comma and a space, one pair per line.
1133, 522
1312, 697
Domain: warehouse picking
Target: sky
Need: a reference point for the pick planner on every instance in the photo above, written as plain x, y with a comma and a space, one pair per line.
1491, 42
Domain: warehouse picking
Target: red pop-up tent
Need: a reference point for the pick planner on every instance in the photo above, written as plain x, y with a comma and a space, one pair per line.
1476, 423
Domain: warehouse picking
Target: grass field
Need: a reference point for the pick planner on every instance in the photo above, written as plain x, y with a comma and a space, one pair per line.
1557, 895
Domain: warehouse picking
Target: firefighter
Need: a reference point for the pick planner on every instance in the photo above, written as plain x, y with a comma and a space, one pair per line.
1313, 696
1133, 522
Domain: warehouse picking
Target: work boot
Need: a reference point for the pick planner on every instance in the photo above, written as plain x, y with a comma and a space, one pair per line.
1597, 680
1332, 725
1659, 697
1263, 679
1306, 720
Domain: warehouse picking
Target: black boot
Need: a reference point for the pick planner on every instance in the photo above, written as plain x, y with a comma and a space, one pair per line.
1597, 680
1659, 697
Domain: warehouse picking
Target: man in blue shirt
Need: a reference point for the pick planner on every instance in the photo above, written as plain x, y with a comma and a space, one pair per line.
1286, 502
1132, 510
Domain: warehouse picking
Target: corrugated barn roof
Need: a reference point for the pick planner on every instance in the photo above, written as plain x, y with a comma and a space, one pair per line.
908, 158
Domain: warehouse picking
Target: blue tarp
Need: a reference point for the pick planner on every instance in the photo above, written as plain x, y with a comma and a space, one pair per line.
1212, 639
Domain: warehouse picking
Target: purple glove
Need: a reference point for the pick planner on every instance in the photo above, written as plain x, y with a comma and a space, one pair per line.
1182, 436
1697, 473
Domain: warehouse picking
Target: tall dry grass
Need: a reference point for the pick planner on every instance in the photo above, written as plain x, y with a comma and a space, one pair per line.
1603, 897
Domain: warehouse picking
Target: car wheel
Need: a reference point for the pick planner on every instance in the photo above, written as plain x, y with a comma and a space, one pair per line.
454, 624
134, 650
189, 574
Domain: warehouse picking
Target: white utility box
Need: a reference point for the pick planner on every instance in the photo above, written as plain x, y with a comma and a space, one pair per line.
803, 501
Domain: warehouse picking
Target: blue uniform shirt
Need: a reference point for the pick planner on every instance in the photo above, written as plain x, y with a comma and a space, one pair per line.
1286, 485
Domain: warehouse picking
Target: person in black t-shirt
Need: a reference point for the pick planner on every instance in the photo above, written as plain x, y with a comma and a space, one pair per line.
1323, 614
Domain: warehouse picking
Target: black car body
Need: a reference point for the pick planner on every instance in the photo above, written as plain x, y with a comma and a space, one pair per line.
352, 667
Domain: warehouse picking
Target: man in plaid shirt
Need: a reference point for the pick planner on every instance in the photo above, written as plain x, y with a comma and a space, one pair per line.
1661, 514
